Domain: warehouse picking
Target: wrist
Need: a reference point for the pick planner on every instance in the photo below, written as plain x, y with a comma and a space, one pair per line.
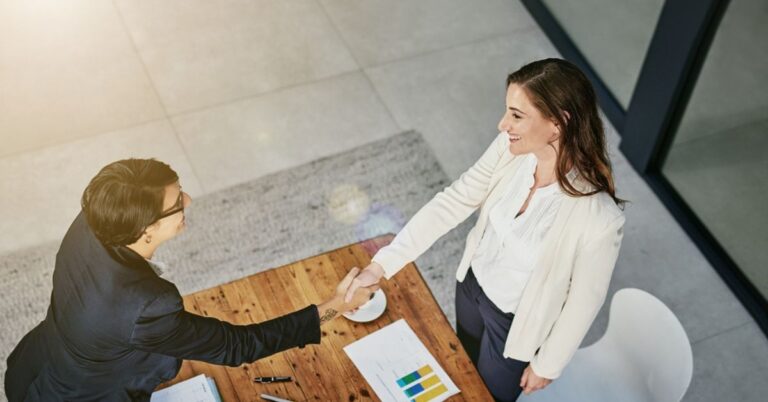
330, 309
376, 269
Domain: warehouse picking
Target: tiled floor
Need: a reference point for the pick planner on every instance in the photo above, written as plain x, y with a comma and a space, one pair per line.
230, 91
245, 139
68, 70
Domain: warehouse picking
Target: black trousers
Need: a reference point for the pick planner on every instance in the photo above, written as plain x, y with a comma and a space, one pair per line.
482, 329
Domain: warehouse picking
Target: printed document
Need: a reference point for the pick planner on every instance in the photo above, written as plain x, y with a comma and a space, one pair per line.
195, 389
398, 366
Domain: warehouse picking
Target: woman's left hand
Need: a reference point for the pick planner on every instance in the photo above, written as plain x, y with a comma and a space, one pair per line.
531, 382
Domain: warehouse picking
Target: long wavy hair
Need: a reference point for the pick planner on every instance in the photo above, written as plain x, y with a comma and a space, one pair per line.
561, 92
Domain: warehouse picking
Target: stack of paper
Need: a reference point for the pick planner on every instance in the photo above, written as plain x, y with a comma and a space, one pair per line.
196, 389
399, 367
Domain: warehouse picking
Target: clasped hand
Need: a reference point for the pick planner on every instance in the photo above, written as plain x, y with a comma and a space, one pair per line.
353, 291
370, 276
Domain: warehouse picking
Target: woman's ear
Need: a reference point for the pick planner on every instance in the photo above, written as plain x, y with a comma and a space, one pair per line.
557, 129
566, 117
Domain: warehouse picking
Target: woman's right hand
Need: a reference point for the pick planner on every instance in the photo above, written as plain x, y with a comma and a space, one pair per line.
335, 305
367, 277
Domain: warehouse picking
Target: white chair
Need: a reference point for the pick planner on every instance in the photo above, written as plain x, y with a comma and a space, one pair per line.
644, 356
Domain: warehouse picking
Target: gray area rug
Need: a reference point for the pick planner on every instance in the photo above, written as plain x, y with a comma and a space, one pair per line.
272, 221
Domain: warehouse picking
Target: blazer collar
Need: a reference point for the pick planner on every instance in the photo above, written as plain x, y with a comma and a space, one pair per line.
127, 257
120, 254
573, 176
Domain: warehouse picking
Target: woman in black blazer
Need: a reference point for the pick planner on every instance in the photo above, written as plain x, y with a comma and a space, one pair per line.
114, 329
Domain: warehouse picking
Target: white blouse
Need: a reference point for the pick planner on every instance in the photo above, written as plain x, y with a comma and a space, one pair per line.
510, 245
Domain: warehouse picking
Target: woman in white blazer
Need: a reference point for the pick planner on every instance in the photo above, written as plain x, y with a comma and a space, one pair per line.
537, 264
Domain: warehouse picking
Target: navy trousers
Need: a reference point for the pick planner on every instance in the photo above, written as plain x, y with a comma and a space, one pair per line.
482, 329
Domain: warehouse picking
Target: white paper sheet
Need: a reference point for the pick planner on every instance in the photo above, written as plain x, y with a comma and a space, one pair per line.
195, 389
390, 354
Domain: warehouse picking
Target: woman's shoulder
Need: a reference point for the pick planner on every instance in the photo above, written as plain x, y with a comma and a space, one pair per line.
602, 211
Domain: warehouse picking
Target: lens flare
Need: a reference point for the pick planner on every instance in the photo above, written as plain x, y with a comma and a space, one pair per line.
380, 220
348, 204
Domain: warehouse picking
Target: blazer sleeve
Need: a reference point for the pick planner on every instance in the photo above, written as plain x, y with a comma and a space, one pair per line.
444, 212
164, 327
589, 285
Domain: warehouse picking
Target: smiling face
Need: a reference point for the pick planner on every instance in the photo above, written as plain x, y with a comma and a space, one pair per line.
529, 131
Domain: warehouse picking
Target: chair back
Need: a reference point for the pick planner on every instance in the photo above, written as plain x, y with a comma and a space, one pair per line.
647, 335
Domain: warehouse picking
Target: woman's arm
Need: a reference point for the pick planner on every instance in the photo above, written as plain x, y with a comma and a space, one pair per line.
447, 209
591, 276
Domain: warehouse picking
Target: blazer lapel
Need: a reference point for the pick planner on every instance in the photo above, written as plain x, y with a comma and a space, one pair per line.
535, 288
508, 164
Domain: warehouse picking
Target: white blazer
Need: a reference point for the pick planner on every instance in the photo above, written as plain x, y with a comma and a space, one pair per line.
570, 279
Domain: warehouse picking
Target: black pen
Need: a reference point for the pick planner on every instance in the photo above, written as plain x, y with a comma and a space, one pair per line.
268, 380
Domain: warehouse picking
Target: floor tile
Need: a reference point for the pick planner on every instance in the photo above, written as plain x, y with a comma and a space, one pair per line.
248, 139
67, 70
732, 366
455, 97
41, 190
384, 30
201, 53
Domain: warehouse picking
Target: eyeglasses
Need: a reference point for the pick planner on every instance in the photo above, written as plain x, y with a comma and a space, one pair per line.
176, 208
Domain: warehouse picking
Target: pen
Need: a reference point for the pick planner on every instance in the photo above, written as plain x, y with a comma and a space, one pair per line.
273, 398
269, 380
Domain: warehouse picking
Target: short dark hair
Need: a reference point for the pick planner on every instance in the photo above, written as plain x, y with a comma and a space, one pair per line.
124, 198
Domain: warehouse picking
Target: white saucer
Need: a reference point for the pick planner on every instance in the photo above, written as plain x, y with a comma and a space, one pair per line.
371, 310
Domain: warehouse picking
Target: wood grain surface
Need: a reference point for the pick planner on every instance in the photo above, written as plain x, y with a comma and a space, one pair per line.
324, 372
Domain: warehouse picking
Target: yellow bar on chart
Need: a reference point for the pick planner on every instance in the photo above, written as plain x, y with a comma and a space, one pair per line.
425, 370
430, 381
431, 394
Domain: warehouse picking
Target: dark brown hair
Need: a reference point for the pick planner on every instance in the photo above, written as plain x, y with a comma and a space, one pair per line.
124, 198
561, 92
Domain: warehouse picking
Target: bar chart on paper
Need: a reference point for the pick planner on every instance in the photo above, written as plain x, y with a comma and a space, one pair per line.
399, 367
422, 385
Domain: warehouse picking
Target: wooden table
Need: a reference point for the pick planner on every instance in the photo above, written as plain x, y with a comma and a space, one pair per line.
324, 372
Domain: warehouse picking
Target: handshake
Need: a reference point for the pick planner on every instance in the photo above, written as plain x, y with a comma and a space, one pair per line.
353, 291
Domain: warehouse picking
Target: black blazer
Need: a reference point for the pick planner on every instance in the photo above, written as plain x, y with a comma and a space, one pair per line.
115, 330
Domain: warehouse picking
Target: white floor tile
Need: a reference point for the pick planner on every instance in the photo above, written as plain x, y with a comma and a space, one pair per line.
67, 70
731, 366
379, 31
201, 53
247, 139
